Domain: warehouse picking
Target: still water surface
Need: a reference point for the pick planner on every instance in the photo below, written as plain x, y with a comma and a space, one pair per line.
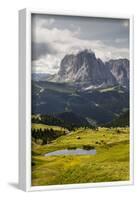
72, 152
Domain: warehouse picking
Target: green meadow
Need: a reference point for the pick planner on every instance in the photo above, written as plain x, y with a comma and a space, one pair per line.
110, 163
44, 126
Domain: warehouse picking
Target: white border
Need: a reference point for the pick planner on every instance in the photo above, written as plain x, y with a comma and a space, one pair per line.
25, 102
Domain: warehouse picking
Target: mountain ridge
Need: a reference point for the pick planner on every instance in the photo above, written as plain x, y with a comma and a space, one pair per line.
85, 69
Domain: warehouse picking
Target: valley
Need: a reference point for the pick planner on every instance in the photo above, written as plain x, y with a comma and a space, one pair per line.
80, 122
101, 105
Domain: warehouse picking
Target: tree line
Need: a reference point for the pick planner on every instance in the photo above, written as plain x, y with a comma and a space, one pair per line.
54, 121
46, 135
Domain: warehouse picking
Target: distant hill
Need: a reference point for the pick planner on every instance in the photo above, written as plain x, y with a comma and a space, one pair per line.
40, 76
67, 120
100, 105
72, 118
121, 121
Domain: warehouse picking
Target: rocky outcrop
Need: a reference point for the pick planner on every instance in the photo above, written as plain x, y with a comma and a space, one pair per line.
86, 69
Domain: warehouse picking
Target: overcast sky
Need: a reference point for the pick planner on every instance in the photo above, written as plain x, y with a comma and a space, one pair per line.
55, 36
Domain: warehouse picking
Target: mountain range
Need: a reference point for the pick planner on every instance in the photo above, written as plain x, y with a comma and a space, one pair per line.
85, 88
85, 69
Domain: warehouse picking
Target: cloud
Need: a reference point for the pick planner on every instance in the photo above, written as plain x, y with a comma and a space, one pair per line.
41, 50
41, 34
41, 21
48, 64
50, 44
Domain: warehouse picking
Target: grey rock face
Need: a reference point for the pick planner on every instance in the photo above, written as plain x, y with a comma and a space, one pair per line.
85, 68
120, 70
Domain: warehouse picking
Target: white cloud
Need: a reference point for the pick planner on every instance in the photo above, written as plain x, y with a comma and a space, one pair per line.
121, 40
48, 64
65, 41
41, 22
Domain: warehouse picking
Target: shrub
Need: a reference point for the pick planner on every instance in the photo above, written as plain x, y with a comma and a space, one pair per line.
118, 131
88, 147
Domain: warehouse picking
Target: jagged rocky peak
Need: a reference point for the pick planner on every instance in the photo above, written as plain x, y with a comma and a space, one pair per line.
88, 71
70, 64
84, 67
120, 70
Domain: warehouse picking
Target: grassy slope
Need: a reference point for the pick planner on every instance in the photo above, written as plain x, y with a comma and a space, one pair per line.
43, 126
111, 163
